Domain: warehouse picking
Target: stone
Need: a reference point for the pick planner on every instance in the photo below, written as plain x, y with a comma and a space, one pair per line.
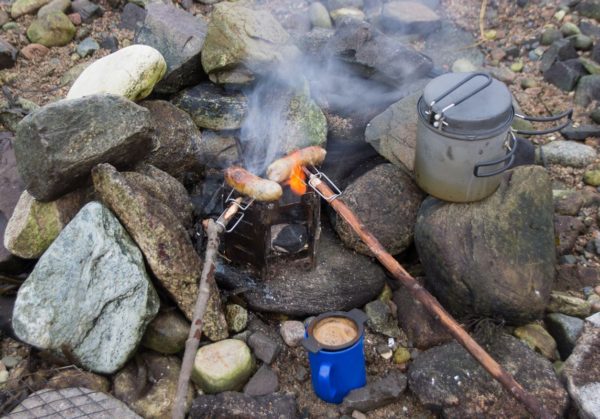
241, 43
401, 355
565, 74
54, 6
11, 113
33, 52
157, 375
568, 153
264, 348
511, 230
71, 74
167, 333
237, 317
87, 47
347, 14
589, 28
448, 379
409, 17
567, 229
589, 8
560, 50
263, 382
164, 242
48, 145
463, 45
392, 219
51, 30
68, 403
581, 132
179, 37
76, 297
567, 202
34, 225
595, 114
422, 330
562, 302
550, 35
581, 370
222, 366
109, 43
75, 18
569, 29
582, 42
588, 90
86, 9
341, 281
11, 188
132, 17
575, 277
592, 177
8, 55
339, 4
177, 142
463, 65
376, 55
25, 7
537, 338
77, 378
4, 18
212, 107
130, 72
319, 16
217, 150
393, 133
292, 332
380, 319
565, 330
234, 405
379, 393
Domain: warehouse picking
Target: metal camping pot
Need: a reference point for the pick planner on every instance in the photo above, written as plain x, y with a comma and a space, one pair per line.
464, 136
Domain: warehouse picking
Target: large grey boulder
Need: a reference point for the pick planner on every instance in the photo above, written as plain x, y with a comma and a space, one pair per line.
57, 145
496, 257
582, 370
234, 405
89, 297
242, 42
448, 379
387, 202
179, 37
342, 280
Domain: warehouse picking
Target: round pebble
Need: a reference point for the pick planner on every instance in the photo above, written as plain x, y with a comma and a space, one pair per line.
292, 332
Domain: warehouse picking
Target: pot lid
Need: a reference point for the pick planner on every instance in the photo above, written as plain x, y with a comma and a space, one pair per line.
485, 112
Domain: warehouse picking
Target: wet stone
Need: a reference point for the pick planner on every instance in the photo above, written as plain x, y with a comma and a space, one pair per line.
565, 330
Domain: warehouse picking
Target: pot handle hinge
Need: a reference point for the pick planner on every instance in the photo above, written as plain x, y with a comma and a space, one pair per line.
511, 146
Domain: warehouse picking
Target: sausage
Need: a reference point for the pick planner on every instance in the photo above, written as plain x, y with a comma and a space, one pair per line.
280, 170
253, 186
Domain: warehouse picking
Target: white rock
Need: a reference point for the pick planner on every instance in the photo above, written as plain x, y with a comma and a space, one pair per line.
223, 366
131, 72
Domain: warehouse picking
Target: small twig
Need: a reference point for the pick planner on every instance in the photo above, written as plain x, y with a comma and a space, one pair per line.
213, 230
482, 18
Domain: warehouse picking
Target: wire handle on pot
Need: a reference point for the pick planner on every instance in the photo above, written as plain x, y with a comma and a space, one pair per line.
510, 156
568, 113
440, 116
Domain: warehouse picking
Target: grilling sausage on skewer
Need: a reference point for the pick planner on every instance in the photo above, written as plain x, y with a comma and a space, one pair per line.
253, 186
280, 170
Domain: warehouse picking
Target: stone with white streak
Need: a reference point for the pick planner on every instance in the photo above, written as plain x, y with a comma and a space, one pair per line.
89, 297
131, 72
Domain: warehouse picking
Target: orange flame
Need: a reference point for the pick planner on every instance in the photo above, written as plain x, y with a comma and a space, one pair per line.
296, 180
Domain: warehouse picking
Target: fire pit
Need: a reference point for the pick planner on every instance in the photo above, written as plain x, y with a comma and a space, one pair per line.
287, 229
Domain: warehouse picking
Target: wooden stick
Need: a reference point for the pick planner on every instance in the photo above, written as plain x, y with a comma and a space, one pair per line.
213, 230
431, 304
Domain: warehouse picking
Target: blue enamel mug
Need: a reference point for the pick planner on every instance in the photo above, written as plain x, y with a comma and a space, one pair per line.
335, 345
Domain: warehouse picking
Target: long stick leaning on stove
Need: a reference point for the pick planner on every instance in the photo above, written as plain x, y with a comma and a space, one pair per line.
263, 189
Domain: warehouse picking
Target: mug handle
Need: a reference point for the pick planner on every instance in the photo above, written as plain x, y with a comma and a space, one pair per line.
325, 380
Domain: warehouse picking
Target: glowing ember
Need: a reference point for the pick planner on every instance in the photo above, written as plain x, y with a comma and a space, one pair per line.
296, 180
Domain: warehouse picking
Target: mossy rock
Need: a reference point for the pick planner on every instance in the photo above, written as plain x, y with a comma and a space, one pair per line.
51, 30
